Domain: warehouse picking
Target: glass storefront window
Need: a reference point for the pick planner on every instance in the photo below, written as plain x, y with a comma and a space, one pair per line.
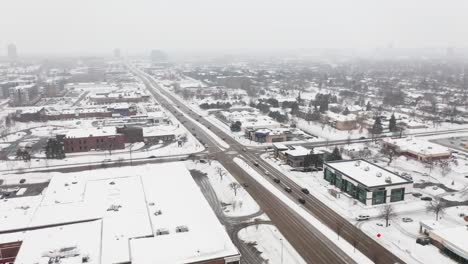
379, 197
397, 195
361, 195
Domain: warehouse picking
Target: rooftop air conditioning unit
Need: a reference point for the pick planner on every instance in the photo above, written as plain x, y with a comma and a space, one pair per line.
379, 174
357, 163
182, 229
158, 212
366, 168
388, 180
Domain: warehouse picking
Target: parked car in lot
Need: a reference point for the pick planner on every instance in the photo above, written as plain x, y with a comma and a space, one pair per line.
287, 189
267, 173
362, 217
423, 240
407, 219
305, 190
22, 181
426, 198
245, 184
301, 200
255, 163
417, 194
276, 180
244, 149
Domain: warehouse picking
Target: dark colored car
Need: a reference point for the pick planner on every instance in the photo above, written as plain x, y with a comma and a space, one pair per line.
304, 190
426, 198
22, 181
276, 180
287, 189
423, 240
362, 138
417, 194
245, 184
301, 200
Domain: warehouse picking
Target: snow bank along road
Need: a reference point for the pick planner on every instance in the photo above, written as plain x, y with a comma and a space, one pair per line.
308, 242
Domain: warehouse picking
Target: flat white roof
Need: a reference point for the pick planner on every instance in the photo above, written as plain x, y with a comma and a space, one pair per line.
123, 200
455, 239
418, 146
70, 242
206, 238
366, 173
86, 132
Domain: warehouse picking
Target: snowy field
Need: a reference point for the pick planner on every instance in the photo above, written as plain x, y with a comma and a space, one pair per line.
270, 242
235, 204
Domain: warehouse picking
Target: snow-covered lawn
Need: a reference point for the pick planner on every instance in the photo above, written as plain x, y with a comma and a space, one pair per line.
271, 243
235, 204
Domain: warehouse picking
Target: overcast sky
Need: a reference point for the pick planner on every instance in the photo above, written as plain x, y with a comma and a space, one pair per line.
97, 26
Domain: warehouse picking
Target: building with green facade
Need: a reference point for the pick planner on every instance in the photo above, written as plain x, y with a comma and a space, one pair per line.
367, 182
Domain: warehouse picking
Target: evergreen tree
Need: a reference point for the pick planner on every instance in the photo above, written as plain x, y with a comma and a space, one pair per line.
294, 108
368, 106
392, 126
346, 111
335, 155
377, 127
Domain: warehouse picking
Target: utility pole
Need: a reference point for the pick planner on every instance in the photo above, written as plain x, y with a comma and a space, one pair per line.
131, 160
281, 250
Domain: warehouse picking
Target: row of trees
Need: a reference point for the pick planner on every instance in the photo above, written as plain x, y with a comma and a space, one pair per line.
216, 105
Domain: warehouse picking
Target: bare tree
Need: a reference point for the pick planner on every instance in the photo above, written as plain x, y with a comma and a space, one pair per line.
445, 167
220, 172
387, 213
436, 206
234, 186
389, 154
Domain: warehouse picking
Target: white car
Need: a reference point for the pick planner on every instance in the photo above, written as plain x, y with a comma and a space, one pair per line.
362, 217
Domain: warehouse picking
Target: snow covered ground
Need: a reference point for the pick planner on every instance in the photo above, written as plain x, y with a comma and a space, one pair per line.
270, 242
341, 243
238, 203
400, 236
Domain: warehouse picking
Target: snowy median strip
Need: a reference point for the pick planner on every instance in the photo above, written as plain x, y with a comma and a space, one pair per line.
222, 144
341, 243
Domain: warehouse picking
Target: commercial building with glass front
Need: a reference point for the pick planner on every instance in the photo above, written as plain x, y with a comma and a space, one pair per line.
366, 182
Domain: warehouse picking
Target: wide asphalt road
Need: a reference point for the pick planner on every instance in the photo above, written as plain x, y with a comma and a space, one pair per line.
309, 242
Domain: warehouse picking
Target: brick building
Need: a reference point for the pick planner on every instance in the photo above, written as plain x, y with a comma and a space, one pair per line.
83, 140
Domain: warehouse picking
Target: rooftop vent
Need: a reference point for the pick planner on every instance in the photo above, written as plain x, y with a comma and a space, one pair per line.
366, 168
357, 163
388, 179
378, 174
158, 212
162, 231
182, 229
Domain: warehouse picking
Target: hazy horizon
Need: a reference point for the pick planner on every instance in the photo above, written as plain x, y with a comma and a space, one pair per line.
96, 27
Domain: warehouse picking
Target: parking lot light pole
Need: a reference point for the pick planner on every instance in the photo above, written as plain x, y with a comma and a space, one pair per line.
281, 250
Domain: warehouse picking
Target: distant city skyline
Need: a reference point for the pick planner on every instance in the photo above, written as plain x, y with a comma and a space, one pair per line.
97, 27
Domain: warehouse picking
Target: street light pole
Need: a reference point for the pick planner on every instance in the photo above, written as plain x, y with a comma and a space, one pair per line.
281, 250
131, 161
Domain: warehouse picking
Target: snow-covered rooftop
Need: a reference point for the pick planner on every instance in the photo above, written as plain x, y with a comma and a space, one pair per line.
71, 243
418, 146
366, 173
454, 238
87, 132
125, 201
